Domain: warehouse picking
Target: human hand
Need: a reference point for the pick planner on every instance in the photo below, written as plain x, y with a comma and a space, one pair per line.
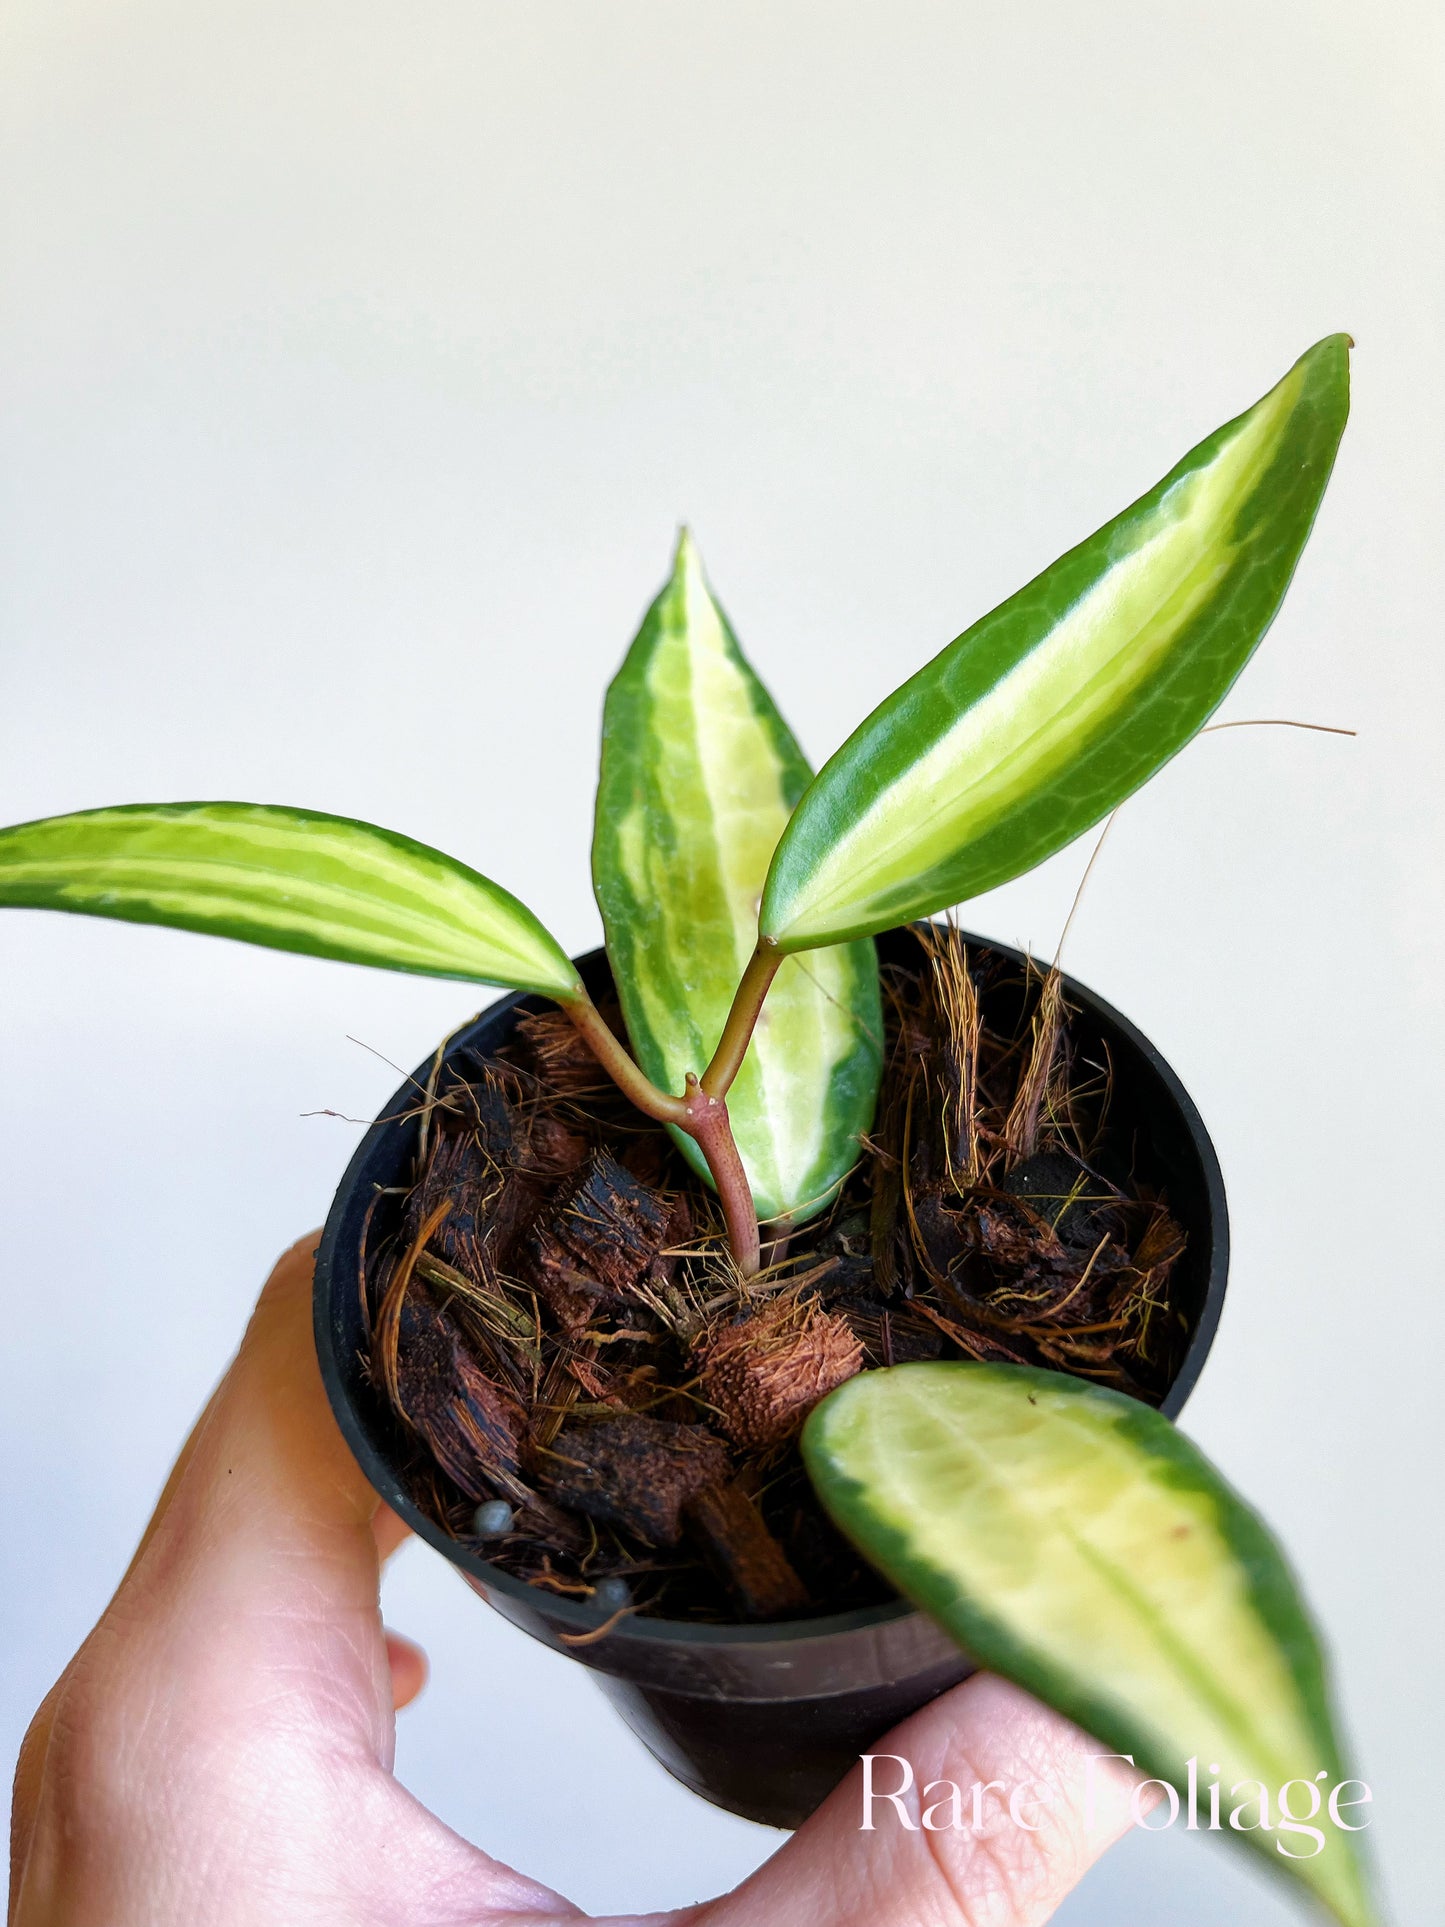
219, 1751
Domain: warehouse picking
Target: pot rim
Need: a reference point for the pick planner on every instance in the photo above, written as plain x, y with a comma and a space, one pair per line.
649, 1630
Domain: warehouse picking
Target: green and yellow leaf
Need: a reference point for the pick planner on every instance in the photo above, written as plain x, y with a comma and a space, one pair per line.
289, 879
1046, 714
1072, 1540
699, 775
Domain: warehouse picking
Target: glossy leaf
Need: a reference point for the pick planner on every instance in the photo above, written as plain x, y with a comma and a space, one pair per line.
1042, 717
699, 774
290, 879
1071, 1539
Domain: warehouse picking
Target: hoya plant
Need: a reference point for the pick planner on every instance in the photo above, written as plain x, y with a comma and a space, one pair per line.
1065, 1533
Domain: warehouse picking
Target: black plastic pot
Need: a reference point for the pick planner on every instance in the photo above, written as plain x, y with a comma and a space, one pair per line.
762, 1720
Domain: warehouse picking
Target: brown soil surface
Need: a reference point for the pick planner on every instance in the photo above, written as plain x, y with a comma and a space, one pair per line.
558, 1326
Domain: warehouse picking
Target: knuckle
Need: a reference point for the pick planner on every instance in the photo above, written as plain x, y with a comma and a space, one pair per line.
83, 1739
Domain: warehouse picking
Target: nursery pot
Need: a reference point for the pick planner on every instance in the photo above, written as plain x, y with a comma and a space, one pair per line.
763, 1720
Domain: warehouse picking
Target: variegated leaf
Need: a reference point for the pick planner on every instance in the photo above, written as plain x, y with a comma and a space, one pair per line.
1042, 717
699, 774
289, 879
1071, 1539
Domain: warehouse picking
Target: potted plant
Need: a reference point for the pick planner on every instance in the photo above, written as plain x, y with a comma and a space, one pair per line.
867, 1275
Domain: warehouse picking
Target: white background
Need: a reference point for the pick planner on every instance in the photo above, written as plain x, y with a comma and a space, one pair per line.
358, 360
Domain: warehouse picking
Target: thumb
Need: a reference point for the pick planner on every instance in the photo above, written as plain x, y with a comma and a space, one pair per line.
1070, 1802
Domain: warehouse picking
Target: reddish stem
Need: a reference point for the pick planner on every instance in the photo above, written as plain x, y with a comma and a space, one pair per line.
709, 1125
742, 1019
628, 1076
701, 1114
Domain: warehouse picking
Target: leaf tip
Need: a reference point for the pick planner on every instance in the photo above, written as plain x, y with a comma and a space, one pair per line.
686, 560
1331, 353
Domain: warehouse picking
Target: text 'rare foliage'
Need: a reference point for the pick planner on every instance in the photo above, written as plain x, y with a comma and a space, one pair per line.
1066, 1535
1071, 1539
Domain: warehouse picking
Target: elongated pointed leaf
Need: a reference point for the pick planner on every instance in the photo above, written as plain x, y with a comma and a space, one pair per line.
699, 774
1042, 717
290, 879
1071, 1539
